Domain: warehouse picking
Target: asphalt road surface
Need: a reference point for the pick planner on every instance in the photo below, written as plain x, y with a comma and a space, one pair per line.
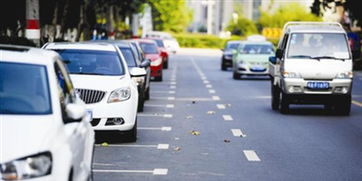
200, 124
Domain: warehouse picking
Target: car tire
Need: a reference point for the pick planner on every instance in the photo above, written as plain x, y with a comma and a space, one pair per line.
70, 177
236, 76
132, 134
223, 66
165, 64
158, 78
147, 94
141, 99
284, 103
343, 105
275, 100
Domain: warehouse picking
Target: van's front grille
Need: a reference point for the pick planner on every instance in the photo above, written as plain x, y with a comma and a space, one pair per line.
90, 96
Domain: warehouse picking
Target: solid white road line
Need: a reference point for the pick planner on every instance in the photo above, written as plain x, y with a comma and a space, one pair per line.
155, 128
237, 133
208, 86
212, 91
215, 98
251, 156
220, 106
159, 146
227, 117
156, 171
159, 105
155, 115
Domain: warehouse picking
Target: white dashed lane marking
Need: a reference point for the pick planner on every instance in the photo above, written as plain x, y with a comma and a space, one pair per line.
227, 117
155, 128
238, 133
215, 98
220, 106
251, 156
206, 82
212, 91
208, 86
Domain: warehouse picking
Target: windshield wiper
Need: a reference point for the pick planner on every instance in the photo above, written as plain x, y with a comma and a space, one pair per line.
300, 56
327, 57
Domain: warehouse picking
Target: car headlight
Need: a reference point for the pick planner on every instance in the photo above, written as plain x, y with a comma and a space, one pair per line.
28, 167
120, 94
344, 75
291, 75
156, 62
139, 80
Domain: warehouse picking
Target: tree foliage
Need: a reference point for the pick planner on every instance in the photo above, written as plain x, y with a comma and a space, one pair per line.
288, 12
242, 27
170, 15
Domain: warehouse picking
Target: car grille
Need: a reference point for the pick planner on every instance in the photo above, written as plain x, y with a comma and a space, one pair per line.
95, 121
90, 96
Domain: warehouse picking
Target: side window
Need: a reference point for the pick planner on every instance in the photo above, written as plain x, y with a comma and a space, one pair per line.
284, 43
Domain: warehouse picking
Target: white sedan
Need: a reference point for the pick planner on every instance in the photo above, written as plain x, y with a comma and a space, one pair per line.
45, 132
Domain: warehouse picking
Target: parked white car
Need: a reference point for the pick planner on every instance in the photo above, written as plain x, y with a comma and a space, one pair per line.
171, 43
103, 80
45, 132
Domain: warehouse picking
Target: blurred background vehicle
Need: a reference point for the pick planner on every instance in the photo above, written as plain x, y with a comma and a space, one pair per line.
163, 51
103, 80
227, 55
252, 56
46, 132
170, 42
152, 53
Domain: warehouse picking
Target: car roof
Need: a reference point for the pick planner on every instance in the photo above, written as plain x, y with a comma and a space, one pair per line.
234, 41
146, 41
320, 27
27, 55
102, 46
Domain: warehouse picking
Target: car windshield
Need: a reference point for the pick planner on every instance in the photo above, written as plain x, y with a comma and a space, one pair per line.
128, 55
149, 48
314, 45
92, 62
232, 46
160, 43
257, 49
24, 89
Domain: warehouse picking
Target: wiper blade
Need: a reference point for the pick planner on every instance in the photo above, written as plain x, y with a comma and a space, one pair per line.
327, 57
300, 56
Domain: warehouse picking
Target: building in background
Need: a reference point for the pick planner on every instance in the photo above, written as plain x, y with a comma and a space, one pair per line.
212, 16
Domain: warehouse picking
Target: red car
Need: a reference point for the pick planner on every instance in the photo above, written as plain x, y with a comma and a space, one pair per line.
163, 51
151, 52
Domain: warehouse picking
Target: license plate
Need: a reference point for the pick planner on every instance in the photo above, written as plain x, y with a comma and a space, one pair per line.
318, 85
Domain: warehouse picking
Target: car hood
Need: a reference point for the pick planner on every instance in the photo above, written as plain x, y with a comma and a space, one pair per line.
318, 69
152, 57
256, 58
22, 136
97, 82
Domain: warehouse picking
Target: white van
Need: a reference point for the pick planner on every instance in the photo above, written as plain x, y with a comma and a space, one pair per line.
313, 65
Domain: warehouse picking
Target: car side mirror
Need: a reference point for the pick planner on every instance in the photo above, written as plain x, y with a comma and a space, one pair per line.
145, 63
137, 72
279, 53
75, 112
273, 59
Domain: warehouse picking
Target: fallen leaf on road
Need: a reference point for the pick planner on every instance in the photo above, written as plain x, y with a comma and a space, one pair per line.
227, 141
104, 144
177, 148
196, 133
210, 112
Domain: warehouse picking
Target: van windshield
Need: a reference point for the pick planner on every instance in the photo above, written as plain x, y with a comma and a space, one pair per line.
314, 45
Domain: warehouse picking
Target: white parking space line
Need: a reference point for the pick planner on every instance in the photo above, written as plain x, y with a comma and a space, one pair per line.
172, 92
159, 105
238, 133
357, 103
221, 106
227, 117
215, 98
208, 86
163, 98
203, 78
206, 82
251, 156
158, 146
163, 92
155, 115
173, 83
172, 87
156, 171
155, 128
212, 91
194, 99
103, 164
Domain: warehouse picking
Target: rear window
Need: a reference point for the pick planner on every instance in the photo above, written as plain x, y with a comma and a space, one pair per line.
232, 46
92, 62
128, 55
24, 89
149, 48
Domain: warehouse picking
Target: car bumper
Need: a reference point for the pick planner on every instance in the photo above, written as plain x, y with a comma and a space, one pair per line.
103, 112
299, 86
156, 71
251, 70
227, 61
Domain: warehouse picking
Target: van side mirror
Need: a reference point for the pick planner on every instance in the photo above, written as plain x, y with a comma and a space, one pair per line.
279, 53
145, 63
273, 59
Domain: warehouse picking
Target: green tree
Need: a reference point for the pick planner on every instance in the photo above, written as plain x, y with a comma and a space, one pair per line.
242, 27
170, 15
288, 12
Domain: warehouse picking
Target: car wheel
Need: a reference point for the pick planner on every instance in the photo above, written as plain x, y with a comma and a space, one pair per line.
236, 76
165, 64
223, 66
70, 177
158, 78
275, 100
284, 103
141, 100
147, 94
132, 134
343, 105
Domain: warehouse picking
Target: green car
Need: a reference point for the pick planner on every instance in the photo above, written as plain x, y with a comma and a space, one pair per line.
252, 58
